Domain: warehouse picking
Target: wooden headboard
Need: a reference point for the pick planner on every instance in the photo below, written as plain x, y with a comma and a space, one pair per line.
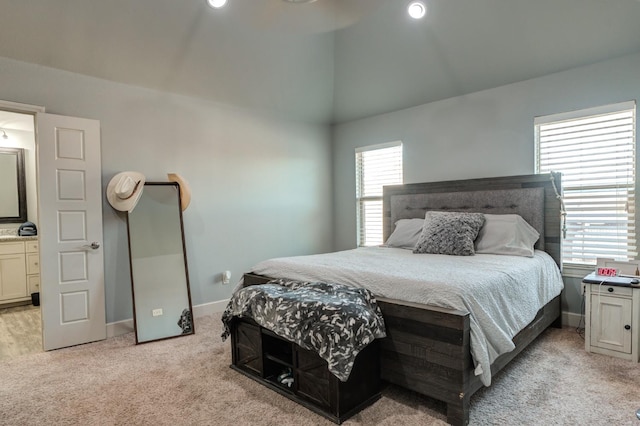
531, 196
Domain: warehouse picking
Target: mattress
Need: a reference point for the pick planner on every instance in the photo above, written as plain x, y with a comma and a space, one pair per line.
501, 293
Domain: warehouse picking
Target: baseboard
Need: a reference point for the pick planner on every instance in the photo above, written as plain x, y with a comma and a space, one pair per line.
571, 319
209, 308
126, 326
119, 328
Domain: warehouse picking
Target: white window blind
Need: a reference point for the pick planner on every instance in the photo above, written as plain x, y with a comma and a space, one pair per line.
376, 166
595, 152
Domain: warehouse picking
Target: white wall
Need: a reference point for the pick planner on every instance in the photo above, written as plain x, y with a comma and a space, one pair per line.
261, 185
484, 134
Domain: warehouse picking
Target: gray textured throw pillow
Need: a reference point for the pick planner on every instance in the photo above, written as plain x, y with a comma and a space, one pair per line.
449, 233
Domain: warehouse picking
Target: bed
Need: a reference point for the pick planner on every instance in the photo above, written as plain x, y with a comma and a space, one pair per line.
428, 349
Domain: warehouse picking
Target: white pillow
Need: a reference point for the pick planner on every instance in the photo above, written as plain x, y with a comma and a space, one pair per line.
406, 234
506, 234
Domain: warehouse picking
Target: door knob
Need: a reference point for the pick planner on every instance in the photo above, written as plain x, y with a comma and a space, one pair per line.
627, 327
95, 245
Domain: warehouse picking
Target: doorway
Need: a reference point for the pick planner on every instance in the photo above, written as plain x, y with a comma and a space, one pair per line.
67, 255
20, 315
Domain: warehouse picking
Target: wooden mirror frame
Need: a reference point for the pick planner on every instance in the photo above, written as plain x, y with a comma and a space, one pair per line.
136, 306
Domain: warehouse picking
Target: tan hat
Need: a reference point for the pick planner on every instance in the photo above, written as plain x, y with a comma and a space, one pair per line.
185, 191
124, 190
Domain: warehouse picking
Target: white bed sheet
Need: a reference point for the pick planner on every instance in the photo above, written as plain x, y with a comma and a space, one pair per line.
501, 293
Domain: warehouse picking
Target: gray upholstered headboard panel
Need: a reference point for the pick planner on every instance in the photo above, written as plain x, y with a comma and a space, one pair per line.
527, 202
531, 196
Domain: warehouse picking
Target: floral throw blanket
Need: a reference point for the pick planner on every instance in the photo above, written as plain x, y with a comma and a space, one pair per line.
334, 320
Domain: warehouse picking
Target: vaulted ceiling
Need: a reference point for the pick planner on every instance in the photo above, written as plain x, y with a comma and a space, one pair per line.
321, 65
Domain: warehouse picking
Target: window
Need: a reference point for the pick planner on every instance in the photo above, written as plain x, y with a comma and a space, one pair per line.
595, 151
376, 166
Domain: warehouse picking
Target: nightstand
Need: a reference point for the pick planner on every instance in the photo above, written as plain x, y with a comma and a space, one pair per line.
612, 320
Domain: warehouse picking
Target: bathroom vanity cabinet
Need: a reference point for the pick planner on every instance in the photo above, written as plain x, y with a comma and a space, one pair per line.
19, 270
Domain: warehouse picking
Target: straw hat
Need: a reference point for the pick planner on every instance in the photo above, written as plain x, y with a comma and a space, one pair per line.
124, 190
185, 191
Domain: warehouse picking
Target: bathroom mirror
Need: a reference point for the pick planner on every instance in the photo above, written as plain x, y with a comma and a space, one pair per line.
159, 276
13, 188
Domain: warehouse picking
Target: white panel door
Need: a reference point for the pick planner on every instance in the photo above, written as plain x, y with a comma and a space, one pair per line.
71, 256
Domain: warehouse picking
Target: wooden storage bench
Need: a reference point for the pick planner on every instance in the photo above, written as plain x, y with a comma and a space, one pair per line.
263, 356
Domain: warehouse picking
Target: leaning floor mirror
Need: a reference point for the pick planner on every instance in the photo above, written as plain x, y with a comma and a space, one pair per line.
159, 276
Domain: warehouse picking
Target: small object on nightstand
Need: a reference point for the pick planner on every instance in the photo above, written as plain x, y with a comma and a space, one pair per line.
607, 272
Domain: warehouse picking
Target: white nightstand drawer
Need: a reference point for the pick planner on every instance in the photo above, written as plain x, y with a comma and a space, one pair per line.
611, 290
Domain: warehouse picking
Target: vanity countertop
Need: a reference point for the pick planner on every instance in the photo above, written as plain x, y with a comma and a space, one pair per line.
11, 238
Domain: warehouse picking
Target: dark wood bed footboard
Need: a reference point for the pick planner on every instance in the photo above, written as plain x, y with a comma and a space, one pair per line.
428, 350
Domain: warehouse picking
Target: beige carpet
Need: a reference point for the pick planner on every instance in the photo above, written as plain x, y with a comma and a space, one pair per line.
187, 381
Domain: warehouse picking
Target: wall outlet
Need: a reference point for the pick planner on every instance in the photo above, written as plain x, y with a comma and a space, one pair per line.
156, 312
226, 277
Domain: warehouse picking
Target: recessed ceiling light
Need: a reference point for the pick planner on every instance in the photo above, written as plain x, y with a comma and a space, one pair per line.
216, 3
417, 9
